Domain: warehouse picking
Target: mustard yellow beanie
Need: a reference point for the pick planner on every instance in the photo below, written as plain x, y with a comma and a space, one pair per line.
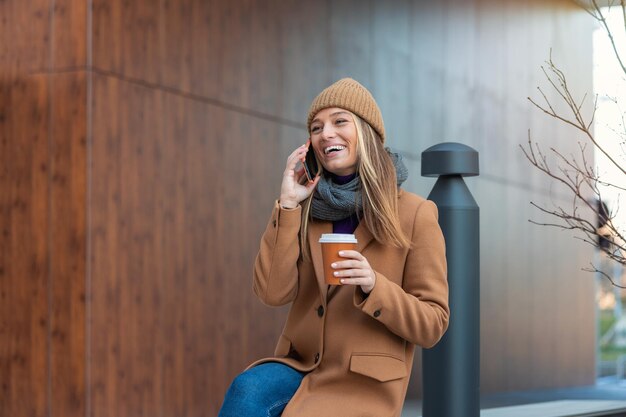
348, 94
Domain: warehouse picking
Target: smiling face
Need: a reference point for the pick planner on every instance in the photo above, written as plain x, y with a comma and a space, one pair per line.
334, 140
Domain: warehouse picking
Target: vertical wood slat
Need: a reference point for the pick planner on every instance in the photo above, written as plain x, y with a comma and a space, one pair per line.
25, 31
126, 289
127, 37
69, 34
24, 258
42, 359
44, 186
105, 345
38, 38
68, 244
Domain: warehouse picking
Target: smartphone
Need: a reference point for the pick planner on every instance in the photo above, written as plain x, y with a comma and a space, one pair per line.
311, 167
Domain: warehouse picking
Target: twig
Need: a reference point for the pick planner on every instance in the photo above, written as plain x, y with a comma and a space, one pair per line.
604, 274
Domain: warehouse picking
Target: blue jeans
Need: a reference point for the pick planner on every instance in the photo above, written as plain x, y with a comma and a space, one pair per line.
261, 391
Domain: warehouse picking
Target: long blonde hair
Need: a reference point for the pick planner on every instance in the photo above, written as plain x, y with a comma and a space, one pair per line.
379, 191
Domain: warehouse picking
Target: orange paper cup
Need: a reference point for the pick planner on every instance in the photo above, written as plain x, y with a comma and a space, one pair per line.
332, 243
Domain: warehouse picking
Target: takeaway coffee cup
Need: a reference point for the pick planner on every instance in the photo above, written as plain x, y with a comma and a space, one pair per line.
332, 243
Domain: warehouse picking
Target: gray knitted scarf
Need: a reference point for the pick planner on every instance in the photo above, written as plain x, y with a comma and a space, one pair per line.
334, 202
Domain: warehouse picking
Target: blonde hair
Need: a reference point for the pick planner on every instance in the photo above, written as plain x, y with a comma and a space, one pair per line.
379, 187
379, 191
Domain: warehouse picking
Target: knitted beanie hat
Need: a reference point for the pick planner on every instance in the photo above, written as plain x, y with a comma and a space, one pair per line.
348, 94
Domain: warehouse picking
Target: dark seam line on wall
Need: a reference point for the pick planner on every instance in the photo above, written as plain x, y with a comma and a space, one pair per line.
166, 259
504, 181
50, 158
518, 184
88, 200
499, 180
202, 99
174, 91
408, 155
370, 33
63, 70
494, 178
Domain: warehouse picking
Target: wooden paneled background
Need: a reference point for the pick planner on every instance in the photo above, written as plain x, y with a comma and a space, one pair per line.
141, 149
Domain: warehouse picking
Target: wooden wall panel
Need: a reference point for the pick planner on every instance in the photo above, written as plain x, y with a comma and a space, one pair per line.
305, 60
68, 244
174, 317
42, 274
25, 34
24, 258
544, 279
262, 57
42, 269
393, 55
128, 35
69, 34
127, 287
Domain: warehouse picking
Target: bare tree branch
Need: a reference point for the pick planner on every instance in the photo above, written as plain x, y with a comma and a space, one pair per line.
566, 96
600, 18
604, 274
585, 215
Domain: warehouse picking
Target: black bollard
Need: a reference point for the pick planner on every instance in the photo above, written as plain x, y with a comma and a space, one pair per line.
451, 369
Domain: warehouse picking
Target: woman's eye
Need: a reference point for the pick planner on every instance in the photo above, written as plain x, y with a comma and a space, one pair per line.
339, 121
315, 129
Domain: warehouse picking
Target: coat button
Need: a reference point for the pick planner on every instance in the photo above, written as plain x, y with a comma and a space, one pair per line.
320, 311
376, 313
317, 357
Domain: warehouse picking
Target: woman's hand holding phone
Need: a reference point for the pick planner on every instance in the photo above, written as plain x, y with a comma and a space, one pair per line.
292, 191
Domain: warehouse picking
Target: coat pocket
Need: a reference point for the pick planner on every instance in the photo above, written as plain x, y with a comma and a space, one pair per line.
380, 366
283, 347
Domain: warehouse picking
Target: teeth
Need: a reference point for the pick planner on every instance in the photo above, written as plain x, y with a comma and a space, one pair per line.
334, 148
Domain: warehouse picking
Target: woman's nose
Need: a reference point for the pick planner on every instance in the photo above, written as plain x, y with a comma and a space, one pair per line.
328, 131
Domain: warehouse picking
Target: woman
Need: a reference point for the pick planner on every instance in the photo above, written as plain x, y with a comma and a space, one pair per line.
345, 350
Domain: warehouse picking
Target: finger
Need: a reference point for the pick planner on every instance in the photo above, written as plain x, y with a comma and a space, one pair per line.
348, 264
297, 155
353, 273
356, 281
352, 254
293, 161
297, 152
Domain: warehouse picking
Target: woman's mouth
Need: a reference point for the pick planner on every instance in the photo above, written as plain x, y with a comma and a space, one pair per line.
333, 148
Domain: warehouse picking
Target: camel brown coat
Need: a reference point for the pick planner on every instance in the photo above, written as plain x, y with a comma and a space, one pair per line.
357, 349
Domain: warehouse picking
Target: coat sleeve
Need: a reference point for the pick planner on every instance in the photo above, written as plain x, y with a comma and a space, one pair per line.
418, 311
275, 274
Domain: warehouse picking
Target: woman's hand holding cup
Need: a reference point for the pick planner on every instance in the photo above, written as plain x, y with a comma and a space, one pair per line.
343, 264
355, 271
291, 191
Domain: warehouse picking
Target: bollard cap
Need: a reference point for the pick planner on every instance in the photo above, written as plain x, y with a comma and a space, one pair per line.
449, 158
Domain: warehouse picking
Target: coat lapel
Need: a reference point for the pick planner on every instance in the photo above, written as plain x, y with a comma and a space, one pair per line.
363, 236
316, 229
